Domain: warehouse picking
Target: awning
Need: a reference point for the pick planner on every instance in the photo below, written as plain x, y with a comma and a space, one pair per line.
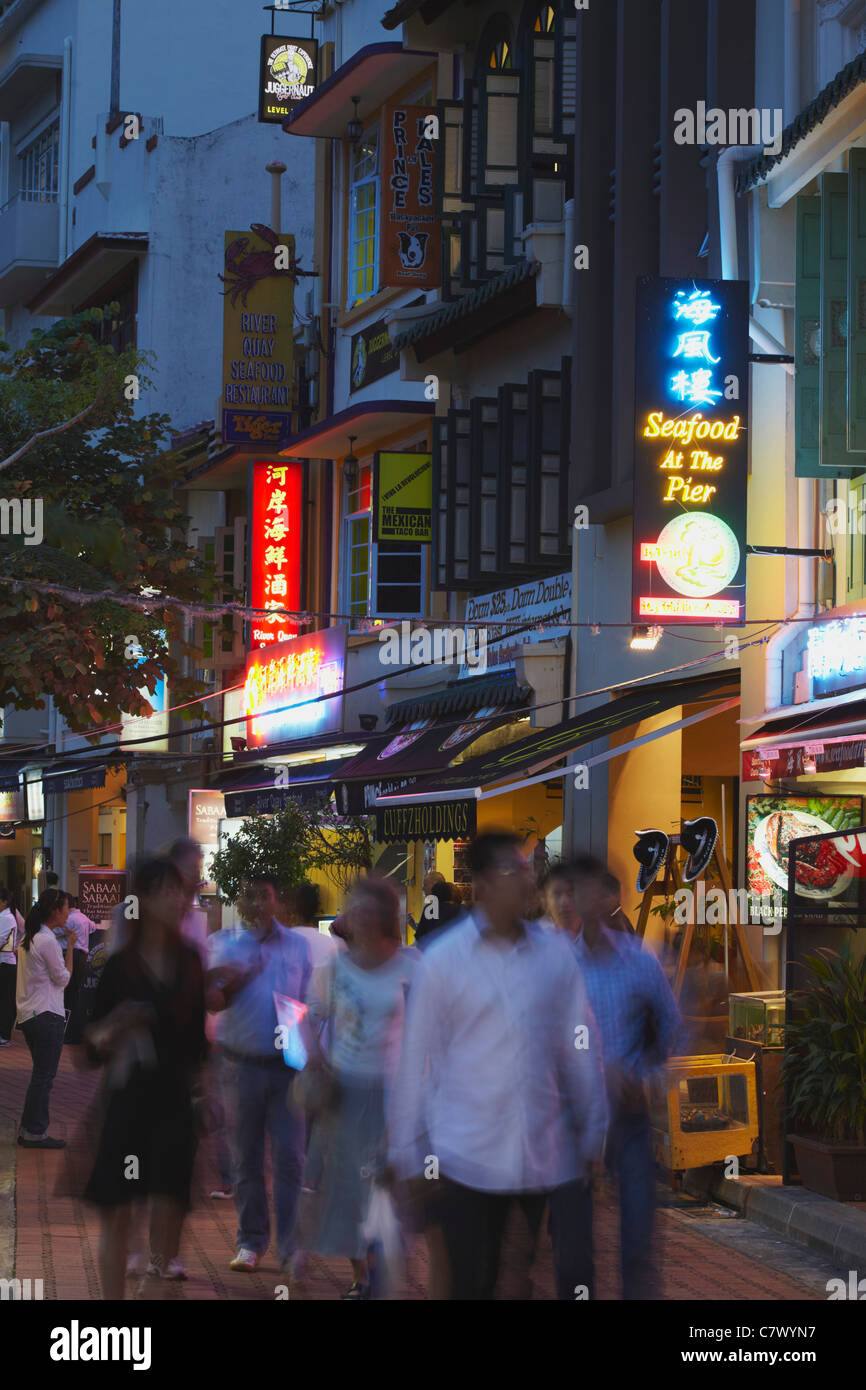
252, 791
72, 777
807, 744
460, 322
25, 80
836, 722
367, 422
462, 697
10, 769
530, 756
92, 265
374, 74
396, 761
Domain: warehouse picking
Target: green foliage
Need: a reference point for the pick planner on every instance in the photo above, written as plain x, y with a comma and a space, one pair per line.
340, 846
825, 1057
291, 842
111, 523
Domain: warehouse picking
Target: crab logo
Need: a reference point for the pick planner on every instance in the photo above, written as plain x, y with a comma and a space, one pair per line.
413, 249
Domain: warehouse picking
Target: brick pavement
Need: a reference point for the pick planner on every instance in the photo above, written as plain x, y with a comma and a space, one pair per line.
57, 1235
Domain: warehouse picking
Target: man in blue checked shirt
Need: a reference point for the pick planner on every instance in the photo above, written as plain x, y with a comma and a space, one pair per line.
640, 1027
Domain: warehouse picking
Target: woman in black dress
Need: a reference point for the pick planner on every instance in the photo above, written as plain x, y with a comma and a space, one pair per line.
148, 1031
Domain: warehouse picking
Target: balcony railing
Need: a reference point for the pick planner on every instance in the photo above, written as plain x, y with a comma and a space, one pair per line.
29, 245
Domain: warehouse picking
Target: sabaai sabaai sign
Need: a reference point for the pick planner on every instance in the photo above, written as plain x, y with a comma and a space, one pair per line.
691, 451
287, 75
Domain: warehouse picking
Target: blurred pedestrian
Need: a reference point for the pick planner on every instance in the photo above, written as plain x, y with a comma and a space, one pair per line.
188, 857
259, 962
79, 923
640, 1025
440, 911
496, 1103
148, 1032
9, 937
43, 974
366, 1006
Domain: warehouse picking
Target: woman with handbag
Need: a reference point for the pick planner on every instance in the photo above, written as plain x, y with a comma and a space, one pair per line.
345, 1082
148, 1032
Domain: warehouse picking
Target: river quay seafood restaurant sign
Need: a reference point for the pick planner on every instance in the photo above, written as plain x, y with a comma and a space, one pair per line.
258, 331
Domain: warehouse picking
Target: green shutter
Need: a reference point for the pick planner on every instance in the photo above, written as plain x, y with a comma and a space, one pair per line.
857, 301
807, 337
834, 459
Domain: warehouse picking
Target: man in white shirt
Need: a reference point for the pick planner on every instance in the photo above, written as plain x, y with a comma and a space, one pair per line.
500, 1093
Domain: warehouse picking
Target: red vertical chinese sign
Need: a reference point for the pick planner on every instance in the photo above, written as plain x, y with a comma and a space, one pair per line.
275, 550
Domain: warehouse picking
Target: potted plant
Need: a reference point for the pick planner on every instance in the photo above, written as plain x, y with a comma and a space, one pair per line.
824, 1070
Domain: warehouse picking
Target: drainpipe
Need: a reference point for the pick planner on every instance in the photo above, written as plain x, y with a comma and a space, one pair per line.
806, 487
276, 169
792, 61
65, 123
567, 257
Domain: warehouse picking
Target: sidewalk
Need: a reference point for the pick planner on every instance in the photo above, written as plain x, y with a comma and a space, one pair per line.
55, 1238
834, 1229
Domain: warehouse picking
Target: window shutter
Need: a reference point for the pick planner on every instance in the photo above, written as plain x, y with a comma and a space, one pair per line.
514, 477
452, 472
857, 300
471, 139
832, 396
566, 75
807, 345
500, 130
484, 488
548, 454
450, 169
441, 522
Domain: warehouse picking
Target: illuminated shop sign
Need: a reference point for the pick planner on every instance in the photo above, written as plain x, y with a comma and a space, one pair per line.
275, 550
258, 336
691, 460
287, 75
285, 683
836, 655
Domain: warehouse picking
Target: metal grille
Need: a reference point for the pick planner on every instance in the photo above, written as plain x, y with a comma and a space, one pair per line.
38, 164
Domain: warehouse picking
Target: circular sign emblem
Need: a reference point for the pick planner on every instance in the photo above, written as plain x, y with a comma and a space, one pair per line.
288, 70
698, 554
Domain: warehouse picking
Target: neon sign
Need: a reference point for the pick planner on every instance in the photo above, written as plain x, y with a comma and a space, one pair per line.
276, 550
837, 654
295, 688
691, 466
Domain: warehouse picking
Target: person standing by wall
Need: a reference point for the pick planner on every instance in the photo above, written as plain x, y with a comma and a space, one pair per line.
9, 934
43, 974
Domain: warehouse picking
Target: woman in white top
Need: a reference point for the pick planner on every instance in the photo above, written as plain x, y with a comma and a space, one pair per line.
364, 1005
8, 967
42, 978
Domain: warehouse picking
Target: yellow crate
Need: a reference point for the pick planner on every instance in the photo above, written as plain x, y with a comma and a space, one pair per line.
704, 1110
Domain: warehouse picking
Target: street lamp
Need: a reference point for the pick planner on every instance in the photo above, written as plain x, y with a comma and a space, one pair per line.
350, 466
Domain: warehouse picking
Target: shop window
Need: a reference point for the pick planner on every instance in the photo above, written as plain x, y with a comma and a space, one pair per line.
38, 166
357, 553
364, 219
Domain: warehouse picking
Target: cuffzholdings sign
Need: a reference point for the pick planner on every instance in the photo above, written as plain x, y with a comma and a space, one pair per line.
430, 820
